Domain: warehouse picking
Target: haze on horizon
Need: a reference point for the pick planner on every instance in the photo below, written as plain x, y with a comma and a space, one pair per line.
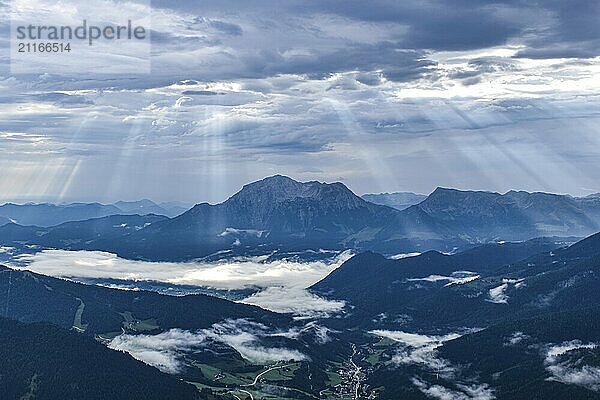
191, 203
383, 97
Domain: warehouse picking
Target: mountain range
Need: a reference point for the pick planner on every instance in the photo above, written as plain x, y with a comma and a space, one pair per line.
504, 314
512, 216
279, 213
274, 213
47, 215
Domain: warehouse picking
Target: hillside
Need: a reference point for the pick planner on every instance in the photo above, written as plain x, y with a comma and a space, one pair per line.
475, 288
30, 297
45, 362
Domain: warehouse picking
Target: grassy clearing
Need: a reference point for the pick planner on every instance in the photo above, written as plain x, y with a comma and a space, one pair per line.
281, 374
211, 372
77, 324
131, 323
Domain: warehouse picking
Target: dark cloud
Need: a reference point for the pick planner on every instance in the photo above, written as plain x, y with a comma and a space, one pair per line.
549, 29
393, 62
571, 26
573, 32
370, 79
577, 20
62, 99
456, 29
285, 40
560, 50
436, 25
227, 28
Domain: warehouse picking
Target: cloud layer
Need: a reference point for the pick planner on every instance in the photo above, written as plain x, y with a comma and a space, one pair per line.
161, 351
295, 301
281, 283
166, 350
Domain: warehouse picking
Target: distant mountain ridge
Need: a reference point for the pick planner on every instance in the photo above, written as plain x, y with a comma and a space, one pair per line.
47, 214
283, 204
78, 235
279, 213
481, 216
146, 207
398, 200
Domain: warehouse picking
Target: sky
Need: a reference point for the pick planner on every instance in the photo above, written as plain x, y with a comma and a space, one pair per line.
381, 95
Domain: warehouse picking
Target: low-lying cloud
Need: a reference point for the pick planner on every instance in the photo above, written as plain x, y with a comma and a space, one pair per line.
162, 350
402, 256
319, 333
166, 350
568, 367
281, 283
516, 338
297, 301
466, 392
498, 294
421, 350
415, 340
457, 278
251, 272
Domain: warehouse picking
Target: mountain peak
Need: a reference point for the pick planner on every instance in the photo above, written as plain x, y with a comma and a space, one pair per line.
441, 191
275, 179
449, 194
279, 188
281, 203
275, 182
443, 195
515, 192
